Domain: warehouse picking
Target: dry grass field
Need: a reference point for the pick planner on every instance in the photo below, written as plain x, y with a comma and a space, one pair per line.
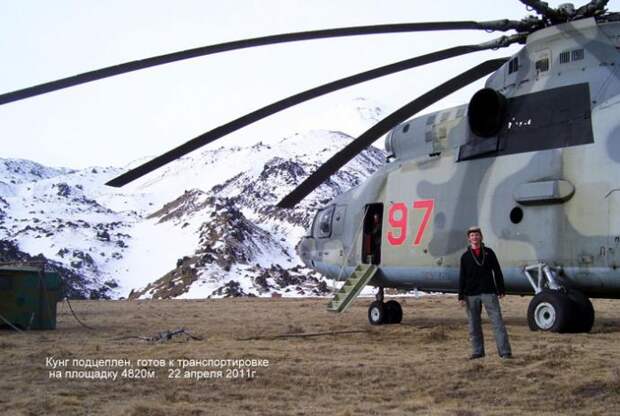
418, 367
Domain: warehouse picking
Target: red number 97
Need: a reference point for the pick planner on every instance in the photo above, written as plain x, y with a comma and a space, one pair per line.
397, 218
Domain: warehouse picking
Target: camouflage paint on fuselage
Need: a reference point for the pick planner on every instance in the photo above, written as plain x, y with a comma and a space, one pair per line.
568, 195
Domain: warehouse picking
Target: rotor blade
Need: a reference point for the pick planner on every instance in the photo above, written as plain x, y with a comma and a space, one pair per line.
285, 103
367, 138
594, 7
110, 71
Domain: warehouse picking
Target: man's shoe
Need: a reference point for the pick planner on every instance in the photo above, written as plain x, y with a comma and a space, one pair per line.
476, 356
506, 356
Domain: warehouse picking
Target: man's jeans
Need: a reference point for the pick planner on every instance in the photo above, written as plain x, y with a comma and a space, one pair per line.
474, 309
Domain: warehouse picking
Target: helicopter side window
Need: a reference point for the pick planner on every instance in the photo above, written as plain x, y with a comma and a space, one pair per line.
565, 57
542, 65
323, 223
513, 65
578, 54
338, 220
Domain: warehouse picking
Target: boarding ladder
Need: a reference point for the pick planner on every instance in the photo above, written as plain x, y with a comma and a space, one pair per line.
352, 287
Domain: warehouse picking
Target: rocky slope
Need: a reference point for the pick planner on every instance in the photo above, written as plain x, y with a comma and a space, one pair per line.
205, 225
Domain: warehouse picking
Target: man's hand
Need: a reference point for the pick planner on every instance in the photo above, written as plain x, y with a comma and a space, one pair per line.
462, 302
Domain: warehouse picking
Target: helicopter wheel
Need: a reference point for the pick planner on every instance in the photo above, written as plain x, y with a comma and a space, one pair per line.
377, 313
583, 312
552, 311
393, 311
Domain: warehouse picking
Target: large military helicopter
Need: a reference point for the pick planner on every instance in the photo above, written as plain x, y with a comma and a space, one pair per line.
532, 159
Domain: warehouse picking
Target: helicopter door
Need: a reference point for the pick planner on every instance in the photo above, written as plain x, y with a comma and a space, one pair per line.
613, 246
371, 238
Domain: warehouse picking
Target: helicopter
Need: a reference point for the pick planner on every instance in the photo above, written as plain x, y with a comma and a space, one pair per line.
531, 159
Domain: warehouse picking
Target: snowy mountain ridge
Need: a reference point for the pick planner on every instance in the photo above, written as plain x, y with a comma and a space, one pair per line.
204, 225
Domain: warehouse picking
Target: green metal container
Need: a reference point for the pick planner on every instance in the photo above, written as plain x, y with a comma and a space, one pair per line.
28, 297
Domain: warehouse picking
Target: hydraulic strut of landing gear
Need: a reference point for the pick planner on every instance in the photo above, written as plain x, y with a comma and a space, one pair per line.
380, 313
555, 308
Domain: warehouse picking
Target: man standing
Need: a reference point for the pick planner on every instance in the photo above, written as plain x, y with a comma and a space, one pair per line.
481, 283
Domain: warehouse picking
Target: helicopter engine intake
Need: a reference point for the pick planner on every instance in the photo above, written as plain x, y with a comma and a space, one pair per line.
486, 112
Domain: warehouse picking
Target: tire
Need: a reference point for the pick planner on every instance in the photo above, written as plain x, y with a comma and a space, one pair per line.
376, 313
393, 311
550, 311
583, 316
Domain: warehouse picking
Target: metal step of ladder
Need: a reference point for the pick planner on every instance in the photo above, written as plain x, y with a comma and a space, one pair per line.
352, 287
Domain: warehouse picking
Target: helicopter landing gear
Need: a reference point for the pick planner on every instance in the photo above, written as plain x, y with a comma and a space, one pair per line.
549, 310
554, 308
583, 319
394, 312
376, 313
380, 313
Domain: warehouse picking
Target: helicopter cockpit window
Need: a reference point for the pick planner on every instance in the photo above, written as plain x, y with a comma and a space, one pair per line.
406, 128
323, 223
542, 65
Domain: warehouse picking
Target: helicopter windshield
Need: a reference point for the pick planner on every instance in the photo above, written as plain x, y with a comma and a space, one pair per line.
322, 226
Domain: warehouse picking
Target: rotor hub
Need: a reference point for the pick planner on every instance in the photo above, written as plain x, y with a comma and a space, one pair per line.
567, 8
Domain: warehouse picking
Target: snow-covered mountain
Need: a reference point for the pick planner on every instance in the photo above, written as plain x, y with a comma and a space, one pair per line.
204, 225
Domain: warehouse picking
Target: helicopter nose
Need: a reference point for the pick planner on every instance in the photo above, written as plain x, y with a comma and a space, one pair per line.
306, 250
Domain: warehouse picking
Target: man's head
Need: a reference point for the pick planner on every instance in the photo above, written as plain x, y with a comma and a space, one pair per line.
474, 236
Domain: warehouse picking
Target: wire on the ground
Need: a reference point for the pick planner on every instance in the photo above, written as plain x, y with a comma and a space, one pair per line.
76, 317
11, 325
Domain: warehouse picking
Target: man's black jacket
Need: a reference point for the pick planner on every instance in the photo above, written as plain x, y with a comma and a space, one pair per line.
477, 277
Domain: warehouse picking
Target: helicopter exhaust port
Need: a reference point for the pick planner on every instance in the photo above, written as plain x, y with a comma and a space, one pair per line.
486, 112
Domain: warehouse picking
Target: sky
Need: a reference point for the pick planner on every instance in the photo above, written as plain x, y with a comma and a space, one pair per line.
118, 120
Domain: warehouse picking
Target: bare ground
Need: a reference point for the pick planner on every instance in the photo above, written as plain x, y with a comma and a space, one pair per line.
418, 367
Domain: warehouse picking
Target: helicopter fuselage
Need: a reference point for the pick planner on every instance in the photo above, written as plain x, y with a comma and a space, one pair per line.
544, 186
